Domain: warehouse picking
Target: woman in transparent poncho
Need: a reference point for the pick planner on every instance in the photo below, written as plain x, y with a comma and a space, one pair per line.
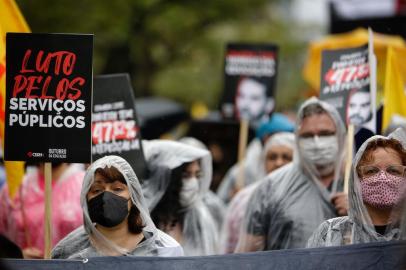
215, 205
253, 163
116, 217
278, 151
180, 175
376, 195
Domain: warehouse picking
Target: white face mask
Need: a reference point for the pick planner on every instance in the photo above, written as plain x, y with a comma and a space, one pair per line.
189, 192
320, 151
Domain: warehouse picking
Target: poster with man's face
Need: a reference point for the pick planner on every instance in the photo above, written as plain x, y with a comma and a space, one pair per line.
345, 83
250, 77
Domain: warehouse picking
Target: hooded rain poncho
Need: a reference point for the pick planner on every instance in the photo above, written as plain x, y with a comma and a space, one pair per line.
291, 202
253, 162
87, 241
357, 227
200, 230
236, 208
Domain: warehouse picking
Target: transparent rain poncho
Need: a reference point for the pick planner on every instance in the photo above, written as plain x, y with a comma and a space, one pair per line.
236, 208
357, 227
253, 162
291, 202
252, 171
200, 231
215, 205
87, 241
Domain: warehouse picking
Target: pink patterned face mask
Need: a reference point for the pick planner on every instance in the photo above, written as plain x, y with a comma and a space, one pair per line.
382, 190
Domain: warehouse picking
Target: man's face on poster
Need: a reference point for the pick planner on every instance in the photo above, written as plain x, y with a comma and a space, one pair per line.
359, 108
251, 101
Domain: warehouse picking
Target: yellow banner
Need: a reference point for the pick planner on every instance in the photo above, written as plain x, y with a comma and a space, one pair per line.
356, 38
11, 20
394, 88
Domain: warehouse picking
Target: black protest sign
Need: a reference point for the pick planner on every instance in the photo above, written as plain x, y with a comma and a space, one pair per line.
249, 81
115, 129
345, 83
48, 97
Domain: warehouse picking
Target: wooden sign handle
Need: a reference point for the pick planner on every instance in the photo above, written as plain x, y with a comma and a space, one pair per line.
48, 210
242, 147
348, 163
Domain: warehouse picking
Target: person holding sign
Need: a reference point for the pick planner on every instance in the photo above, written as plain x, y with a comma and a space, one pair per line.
376, 195
117, 220
290, 203
22, 217
180, 178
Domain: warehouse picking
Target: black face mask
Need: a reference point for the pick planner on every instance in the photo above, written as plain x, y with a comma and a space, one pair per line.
108, 209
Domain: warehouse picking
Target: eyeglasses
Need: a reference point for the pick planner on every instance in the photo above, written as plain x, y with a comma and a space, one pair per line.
395, 170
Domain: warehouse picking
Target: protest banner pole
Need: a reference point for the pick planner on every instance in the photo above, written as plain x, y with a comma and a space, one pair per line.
348, 163
372, 75
242, 146
63, 109
48, 212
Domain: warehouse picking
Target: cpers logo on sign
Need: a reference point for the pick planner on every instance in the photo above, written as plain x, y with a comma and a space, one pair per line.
31, 154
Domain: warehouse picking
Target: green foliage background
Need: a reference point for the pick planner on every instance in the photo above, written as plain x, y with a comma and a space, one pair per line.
175, 48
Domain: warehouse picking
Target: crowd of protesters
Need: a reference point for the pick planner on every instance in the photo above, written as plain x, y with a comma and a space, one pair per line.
292, 196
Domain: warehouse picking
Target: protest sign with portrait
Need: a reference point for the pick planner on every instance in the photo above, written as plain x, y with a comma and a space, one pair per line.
345, 83
250, 77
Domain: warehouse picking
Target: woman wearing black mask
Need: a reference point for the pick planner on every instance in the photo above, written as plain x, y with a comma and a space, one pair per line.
116, 217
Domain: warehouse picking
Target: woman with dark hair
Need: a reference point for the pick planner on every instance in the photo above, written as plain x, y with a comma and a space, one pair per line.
116, 217
180, 177
168, 214
376, 196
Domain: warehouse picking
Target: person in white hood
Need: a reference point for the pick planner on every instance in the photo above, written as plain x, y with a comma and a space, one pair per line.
116, 217
180, 177
288, 206
376, 196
